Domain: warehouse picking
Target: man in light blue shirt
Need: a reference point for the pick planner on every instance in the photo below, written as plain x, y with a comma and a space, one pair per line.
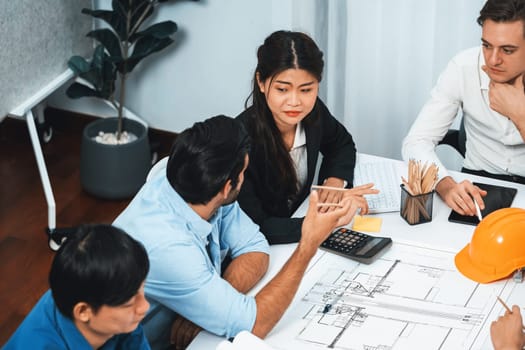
189, 222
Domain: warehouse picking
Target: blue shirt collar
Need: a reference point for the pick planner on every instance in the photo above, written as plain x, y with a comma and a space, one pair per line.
194, 222
65, 325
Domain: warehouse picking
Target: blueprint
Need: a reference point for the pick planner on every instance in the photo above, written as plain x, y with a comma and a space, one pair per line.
410, 298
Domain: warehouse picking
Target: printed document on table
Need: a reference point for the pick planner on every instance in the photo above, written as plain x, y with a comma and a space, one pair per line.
411, 298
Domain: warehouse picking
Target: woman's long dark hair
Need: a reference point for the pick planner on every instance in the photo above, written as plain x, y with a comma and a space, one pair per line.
280, 51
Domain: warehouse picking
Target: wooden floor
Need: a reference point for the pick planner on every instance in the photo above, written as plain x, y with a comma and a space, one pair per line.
24, 253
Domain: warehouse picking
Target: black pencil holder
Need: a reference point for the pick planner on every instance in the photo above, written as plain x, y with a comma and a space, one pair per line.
416, 209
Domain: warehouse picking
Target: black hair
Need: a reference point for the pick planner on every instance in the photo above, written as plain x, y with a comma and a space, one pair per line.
503, 11
204, 157
280, 51
98, 264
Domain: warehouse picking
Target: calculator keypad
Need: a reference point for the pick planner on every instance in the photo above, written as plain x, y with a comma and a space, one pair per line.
344, 240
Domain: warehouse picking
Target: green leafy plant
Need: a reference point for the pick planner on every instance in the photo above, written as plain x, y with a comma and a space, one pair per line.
121, 46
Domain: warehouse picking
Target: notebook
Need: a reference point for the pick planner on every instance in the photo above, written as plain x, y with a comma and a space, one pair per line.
385, 177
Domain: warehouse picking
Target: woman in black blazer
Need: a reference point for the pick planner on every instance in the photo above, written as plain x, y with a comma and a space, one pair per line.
289, 126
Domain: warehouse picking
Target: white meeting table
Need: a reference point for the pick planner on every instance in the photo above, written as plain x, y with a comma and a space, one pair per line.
439, 234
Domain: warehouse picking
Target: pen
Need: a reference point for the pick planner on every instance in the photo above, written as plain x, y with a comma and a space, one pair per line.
478, 211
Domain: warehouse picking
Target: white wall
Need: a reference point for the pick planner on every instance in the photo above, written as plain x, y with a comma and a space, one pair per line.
207, 71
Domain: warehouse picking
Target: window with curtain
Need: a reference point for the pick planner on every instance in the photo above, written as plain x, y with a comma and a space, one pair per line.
382, 59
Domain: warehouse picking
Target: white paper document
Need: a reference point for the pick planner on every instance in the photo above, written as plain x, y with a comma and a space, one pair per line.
410, 298
244, 341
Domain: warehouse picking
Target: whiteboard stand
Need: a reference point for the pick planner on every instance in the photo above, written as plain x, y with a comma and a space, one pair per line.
27, 110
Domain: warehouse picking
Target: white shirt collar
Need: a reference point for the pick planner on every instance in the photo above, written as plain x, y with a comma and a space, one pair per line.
300, 136
484, 79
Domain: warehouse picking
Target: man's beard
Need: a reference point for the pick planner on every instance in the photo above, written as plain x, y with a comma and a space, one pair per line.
232, 197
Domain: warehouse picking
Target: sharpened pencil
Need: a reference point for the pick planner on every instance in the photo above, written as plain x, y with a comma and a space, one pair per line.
319, 187
330, 205
504, 305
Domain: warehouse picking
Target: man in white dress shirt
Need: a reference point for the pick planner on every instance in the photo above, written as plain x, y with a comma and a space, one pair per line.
487, 85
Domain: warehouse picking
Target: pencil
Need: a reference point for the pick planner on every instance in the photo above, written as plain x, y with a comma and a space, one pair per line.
504, 305
318, 187
507, 308
330, 205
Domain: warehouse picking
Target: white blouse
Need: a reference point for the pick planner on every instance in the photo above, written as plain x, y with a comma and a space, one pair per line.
299, 155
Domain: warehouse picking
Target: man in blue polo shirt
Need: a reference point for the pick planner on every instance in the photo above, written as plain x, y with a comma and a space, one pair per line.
96, 298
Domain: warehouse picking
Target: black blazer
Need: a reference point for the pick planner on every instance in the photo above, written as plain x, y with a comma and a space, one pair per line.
260, 197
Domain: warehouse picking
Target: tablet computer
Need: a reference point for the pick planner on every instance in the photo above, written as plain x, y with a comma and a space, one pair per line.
497, 197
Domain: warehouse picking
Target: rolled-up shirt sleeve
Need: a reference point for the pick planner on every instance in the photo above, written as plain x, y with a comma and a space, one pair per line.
187, 283
434, 119
239, 234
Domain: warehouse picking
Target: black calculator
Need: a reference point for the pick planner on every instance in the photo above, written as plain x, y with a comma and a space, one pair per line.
356, 245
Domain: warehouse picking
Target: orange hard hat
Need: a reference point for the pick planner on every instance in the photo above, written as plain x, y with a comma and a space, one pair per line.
497, 247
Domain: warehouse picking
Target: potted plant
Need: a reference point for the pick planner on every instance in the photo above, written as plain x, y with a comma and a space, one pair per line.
115, 155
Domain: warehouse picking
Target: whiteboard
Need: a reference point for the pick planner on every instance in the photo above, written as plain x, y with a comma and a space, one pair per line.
37, 39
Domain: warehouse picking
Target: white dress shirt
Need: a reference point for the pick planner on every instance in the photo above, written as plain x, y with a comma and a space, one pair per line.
299, 155
494, 144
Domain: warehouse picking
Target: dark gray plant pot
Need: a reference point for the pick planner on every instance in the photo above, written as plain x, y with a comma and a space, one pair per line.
114, 171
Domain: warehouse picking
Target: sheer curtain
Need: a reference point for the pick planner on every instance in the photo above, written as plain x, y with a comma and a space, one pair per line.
383, 58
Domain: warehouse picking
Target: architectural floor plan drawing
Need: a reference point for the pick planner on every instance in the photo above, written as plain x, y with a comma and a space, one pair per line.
411, 298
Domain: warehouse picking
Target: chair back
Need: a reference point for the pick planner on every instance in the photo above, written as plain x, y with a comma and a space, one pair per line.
456, 138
